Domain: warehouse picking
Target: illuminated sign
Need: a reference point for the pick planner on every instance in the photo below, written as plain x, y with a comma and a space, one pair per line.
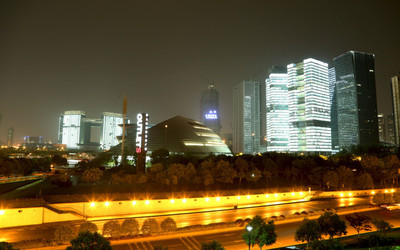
211, 115
141, 133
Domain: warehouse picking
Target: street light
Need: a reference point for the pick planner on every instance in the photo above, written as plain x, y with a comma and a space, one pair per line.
249, 228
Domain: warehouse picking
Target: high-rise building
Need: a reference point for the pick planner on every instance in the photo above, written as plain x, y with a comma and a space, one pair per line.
10, 137
277, 110
110, 129
357, 121
396, 106
390, 130
381, 127
70, 129
246, 117
210, 115
333, 105
309, 107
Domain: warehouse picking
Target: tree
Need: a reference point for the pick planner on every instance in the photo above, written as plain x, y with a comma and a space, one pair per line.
64, 233
261, 234
381, 225
308, 231
331, 244
168, 225
159, 156
89, 240
359, 222
59, 160
6, 246
130, 227
92, 175
160, 247
88, 226
332, 225
112, 228
241, 167
212, 245
150, 226
364, 181
254, 175
224, 172
346, 177
331, 179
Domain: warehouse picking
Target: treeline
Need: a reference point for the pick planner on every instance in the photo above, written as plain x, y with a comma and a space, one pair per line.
338, 172
10, 167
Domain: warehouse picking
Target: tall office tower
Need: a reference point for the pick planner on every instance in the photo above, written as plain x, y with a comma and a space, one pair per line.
333, 105
357, 121
381, 127
246, 117
110, 129
277, 110
309, 107
396, 106
390, 129
10, 137
70, 128
210, 115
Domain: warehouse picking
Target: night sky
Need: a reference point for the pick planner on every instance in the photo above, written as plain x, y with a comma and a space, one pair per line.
83, 55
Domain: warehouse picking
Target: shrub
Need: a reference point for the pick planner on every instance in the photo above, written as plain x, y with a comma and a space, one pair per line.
88, 226
88, 240
6, 246
112, 228
168, 225
64, 233
150, 226
130, 227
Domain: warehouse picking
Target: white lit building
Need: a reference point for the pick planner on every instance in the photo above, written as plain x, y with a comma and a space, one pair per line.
246, 117
70, 126
277, 112
110, 129
309, 107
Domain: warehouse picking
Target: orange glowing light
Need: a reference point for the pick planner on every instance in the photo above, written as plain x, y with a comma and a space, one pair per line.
133, 202
248, 196
301, 193
218, 199
350, 194
2, 212
147, 202
207, 199
373, 192
184, 200
341, 195
92, 204
386, 191
172, 200
107, 203
392, 190
267, 195
276, 195
238, 197
293, 194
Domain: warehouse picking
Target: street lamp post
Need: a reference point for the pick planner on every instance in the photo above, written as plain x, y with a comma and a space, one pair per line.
249, 228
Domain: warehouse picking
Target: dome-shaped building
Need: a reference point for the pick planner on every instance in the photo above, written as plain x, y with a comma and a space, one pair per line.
183, 135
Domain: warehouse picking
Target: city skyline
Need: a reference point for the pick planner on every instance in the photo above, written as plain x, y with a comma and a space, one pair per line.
88, 61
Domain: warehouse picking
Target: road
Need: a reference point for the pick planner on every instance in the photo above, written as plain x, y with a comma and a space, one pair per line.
46, 231
232, 240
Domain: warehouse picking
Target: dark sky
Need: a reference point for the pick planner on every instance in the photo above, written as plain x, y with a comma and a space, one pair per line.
66, 55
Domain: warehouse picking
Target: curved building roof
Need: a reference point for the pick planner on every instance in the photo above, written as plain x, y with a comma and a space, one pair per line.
183, 135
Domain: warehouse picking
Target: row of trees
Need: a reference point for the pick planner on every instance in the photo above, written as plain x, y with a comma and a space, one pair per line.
24, 166
261, 233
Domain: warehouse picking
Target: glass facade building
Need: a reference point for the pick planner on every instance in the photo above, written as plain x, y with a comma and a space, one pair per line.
110, 129
356, 120
396, 107
70, 124
246, 117
210, 115
277, 112
309, 107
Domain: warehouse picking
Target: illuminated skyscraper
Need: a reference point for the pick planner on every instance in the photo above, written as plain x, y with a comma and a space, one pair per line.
277, 111
356, 105
70, 128
309, 107
210, 115
390, 129
246, 117
110, 129
396, 107
10, 137
381, 127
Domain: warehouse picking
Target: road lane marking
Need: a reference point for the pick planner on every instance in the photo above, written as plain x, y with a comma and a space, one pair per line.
191, 243
130, 246
144, 246
137, 245
188, 247
148, 242
195, 240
